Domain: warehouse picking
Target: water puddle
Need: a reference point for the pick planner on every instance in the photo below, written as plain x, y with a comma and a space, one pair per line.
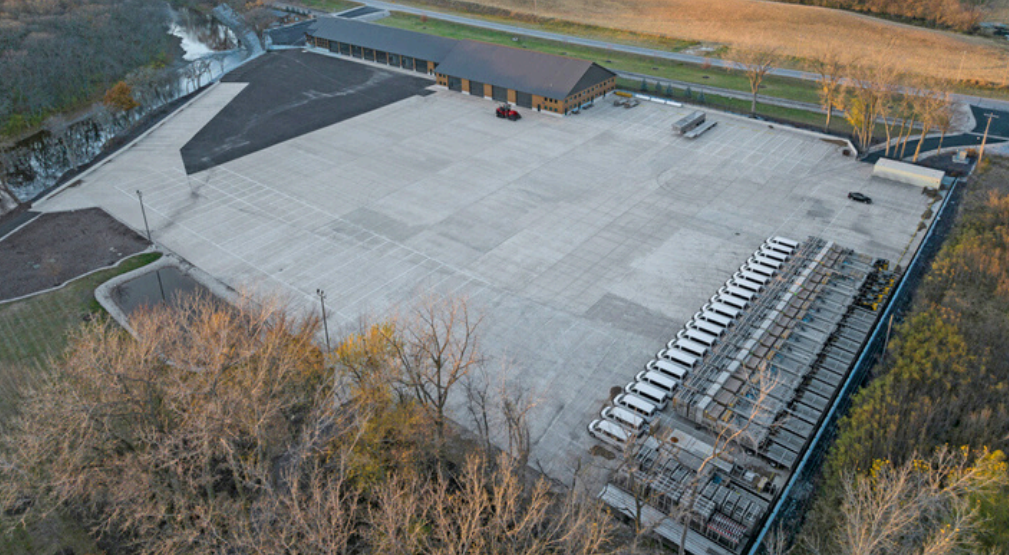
167, 286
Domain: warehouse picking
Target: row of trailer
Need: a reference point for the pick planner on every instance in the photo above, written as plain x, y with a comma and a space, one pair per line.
631, 413
726, 502
786, 329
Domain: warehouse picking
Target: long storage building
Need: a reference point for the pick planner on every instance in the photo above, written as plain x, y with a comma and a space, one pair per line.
544, 82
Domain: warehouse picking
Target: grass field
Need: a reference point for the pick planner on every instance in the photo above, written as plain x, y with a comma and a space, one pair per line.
330, 5
801, 118
33, 331
793, 89
36, 328
760, 25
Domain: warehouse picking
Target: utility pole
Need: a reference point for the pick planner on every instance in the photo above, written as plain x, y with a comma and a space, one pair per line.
325, 326
984, 139
959, 72
144, 212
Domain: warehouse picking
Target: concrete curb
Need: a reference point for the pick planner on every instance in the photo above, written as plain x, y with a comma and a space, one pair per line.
127, 146
103, 293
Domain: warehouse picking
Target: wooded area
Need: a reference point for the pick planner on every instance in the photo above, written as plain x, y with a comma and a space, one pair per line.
59, 54
223, 429
946, 373
962, 15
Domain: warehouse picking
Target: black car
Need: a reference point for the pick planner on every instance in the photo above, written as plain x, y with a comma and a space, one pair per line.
859, 197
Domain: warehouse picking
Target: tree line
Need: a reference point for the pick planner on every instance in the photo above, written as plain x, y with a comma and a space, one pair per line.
223, 429
876, 100
941, 385
57, 55
961, 15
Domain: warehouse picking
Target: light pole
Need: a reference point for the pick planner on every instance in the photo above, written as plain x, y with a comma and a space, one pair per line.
984, 139
144, 212
325, 326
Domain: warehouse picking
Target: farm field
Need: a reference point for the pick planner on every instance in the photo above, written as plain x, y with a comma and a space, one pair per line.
748, 24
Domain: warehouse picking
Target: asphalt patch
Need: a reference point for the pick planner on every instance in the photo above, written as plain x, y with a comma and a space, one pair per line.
291, 93
999, 121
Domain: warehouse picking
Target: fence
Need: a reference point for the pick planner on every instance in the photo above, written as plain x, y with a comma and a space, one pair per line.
795, 498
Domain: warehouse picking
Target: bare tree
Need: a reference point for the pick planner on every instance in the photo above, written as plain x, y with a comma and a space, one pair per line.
829, 68
944, 118
890, 100
755, 64
638, 485
164, 452
221, 430
863, 103
516, 406
741, 431
493, 511
935, 114
8, 201
921, 506
437, 347
479, 404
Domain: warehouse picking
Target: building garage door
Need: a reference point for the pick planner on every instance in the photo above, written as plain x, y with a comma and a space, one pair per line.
407, 62
380, 57
454, 84
344, 49
394, 60
476, 88
355, 51
369, 54
499, 93
420, 65
524, 100
334, 47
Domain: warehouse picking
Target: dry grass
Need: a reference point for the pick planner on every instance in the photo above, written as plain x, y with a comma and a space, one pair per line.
793, 30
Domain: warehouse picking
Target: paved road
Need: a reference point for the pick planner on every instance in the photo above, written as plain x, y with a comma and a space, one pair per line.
661, 54
998, 133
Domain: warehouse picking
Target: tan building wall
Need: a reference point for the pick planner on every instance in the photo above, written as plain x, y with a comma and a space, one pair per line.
591, 93
541, 103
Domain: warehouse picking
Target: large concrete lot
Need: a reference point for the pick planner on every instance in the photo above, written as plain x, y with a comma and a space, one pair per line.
586, 241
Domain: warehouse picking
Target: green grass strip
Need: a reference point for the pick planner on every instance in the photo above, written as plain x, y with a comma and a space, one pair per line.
781, 87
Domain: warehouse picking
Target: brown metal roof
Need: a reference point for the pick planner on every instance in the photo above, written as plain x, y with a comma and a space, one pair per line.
522, 70
387, 39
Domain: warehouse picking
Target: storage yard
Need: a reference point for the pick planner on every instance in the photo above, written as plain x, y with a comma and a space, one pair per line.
757, 367
586, 242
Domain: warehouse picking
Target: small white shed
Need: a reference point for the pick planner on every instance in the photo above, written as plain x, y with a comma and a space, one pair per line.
903, 172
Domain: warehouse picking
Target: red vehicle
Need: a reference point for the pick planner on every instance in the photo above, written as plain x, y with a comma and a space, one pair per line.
506, 111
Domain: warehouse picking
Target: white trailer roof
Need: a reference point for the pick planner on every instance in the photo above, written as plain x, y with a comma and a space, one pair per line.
903, 172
